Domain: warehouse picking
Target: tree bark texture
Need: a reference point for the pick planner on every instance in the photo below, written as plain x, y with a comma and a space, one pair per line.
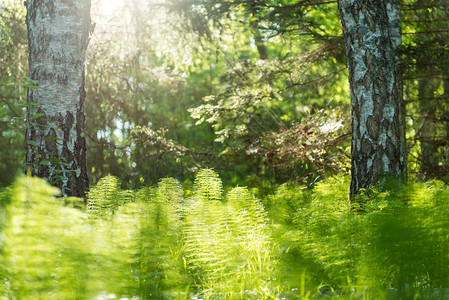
372, 34
58, 34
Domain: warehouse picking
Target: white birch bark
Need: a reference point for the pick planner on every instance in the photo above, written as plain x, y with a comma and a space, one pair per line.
58, 34
372, 34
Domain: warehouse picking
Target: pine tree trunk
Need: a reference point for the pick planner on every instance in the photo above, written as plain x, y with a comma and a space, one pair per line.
58, 34
427, 135
446, 151
372, 33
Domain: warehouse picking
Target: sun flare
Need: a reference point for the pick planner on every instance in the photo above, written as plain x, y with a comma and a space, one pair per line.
106, 8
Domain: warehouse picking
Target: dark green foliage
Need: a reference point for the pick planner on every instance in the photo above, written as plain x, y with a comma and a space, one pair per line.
426, 85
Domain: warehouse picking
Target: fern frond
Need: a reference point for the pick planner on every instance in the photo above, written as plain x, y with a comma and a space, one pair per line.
243, 200
104, 199
42, 244
146, 194
208, 185
227, 246
169, 191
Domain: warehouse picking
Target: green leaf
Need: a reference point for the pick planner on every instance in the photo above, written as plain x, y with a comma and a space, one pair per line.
35, 116
45, 161
26, 85
29, 79
33, 143
63, 171
30, 104
13, 119
50, 139
66, 164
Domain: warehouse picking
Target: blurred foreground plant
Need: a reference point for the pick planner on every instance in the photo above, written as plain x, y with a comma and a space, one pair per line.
166, 243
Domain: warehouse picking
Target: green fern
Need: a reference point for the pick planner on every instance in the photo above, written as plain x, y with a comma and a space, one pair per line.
104, 199
287, 199
154, 245
146, 194
169, 191
158, 256
45, 249
208, 185
242, 200
228, 251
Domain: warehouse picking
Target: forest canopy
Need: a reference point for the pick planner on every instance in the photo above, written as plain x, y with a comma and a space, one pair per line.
173, 87
257, 90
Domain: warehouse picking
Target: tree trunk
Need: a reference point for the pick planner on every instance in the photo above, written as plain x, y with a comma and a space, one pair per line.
446, 151
260, 44
427, 135
58, 34
372, 33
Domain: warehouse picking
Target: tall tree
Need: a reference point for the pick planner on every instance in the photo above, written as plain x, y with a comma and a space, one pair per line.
372, 34
427, 87
58, 34
426, 60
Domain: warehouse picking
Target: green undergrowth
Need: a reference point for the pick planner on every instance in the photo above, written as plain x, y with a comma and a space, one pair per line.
215, 242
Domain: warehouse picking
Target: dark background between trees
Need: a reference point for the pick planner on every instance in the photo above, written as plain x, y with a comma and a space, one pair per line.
256, 90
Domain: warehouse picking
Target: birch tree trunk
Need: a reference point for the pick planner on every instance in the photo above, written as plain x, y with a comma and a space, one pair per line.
58, 34
372, 34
